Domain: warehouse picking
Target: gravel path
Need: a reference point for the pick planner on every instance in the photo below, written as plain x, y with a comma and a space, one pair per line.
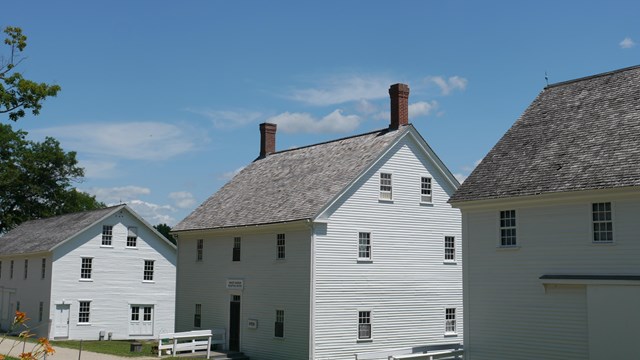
62, 353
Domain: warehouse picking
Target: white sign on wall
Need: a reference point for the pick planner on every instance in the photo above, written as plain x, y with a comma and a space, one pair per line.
252, 324
235, 284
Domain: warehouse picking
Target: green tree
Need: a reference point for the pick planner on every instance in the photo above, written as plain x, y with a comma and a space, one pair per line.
36, 180
164, 229
16, 92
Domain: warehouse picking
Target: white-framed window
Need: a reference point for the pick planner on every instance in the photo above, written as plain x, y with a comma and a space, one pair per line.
602, 222
364, 246
132, 236
449, 248
364, 325
280, 246
450, 321
43, 270
135, 313
84, 310
40, 311
148, 270
236, 249
147, 312
279, 324
508, 228
86, 267
107, 235
11, 270
386, 186
197, 316
199, 249
26, 268
425, 190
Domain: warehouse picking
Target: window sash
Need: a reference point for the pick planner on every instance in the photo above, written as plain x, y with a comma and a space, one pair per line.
450, 320
135, 313
425, 189
44, 268
236, 249
85, 269
279, 324
508, 228
449, 248
26, 268
147, 311
364, 325
280, 246
602, 222
197, 316
199, 249
386, 186
364, 245
148, 270
84, 311
107, 235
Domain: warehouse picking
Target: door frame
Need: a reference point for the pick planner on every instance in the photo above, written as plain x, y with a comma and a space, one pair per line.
55, 321
231, 295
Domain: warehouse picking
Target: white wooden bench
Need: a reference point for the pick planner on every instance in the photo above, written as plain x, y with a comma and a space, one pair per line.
191, 341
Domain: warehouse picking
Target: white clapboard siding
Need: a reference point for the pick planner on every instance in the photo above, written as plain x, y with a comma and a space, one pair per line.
407, 286
504, 297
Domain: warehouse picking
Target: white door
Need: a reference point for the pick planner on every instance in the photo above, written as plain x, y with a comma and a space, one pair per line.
61, 329
141, 320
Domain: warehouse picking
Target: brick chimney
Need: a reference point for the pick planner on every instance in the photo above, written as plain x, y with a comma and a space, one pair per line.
399, 94
267, 139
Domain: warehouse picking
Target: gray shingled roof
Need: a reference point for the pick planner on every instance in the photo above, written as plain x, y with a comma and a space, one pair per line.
290, 185
577, 135
43, 234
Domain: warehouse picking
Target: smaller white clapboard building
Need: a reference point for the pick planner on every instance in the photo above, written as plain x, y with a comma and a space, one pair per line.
86, 275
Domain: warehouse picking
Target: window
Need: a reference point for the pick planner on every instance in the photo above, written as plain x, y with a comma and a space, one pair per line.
26, 267
148, 270
197, 316
199, 247
43, 271
425, 189
602, 223
385, 186
364, 325
11, 270
364, 246
85, 269
0, 269
236, 249
146, 316
449, 248
450, 320
135, 313
107, 235
83, 312
280, 246
279, 326
132, 236
17, 305
40, 311
508, 228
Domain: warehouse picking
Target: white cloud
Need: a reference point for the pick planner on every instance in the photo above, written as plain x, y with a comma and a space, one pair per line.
117, 195
422, 108
154, 214
97, 169
366, 107
303, 122
448, 85
341, 89
461, 178
133, 140
627, 43
183, 199
225, 119
230, 174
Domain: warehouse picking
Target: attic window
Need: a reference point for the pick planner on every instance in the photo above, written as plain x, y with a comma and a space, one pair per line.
385, 186
132, 236
425, 189
107, 235
602, 223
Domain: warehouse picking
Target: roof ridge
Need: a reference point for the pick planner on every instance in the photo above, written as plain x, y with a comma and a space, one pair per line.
77, 212
383, 131
566, 82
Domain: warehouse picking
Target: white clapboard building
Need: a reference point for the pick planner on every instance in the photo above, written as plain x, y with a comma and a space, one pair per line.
551, 245
86, 275
329, 250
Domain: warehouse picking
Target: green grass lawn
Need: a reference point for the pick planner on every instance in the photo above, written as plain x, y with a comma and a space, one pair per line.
114, 347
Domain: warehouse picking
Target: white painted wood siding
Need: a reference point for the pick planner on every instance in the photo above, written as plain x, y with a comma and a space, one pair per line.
269, 284
407, 285
508, 312
117, 279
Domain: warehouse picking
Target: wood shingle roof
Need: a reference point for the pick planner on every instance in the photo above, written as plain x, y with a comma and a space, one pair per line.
290, 185
577, 135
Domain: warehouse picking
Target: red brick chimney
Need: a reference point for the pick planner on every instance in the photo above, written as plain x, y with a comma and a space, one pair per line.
399, 94
267, 139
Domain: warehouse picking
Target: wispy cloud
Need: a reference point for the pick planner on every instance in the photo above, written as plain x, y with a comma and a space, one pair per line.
225, 119
447, 86
422, 108
130, 195
461, 177
132, 141
98, 169
627, 43
341, 89
183, 199
119, 194
335, 122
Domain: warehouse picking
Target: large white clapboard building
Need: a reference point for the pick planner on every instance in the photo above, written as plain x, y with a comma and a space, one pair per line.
89, 274
328, 250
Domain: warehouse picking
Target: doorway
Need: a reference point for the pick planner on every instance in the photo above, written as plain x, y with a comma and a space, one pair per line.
61, 329
234, 323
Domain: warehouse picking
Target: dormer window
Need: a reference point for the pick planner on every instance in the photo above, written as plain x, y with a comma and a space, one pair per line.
386, 186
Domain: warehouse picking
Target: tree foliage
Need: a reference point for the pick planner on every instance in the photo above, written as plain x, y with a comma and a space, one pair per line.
36, 179
18, 94
164, 229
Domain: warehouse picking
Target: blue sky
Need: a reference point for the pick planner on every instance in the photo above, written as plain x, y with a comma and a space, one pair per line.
162, 99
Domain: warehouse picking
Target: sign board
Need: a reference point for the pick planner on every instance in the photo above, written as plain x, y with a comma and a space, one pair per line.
235, 284
252, 324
